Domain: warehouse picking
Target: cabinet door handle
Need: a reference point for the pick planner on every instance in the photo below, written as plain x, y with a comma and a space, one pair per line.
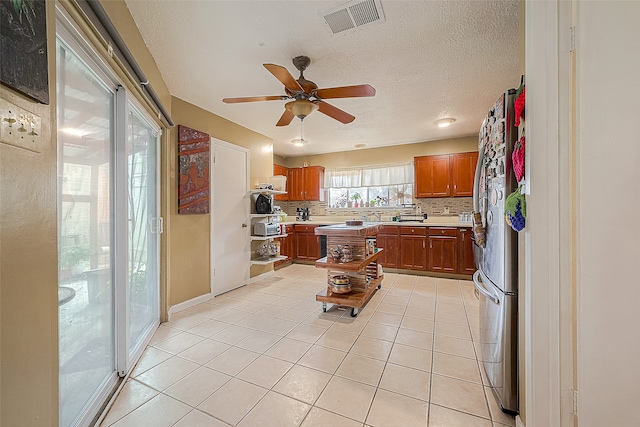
423, 247
430, 245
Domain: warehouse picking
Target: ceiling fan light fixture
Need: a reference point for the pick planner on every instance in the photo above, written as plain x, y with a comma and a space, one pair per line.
443, 123
299, 142
301, 108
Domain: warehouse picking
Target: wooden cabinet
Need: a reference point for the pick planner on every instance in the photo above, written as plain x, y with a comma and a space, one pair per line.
307, 243
437, 249
389, 239
413, 248
443, 249
313, 183
432, 176
448, 175
281, 170
466, 264
306, 183
463, 170
294, 184
287, 245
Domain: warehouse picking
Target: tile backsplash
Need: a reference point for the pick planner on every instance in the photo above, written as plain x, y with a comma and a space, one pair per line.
430, 206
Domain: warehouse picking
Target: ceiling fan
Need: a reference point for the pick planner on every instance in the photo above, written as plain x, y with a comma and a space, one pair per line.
305, 95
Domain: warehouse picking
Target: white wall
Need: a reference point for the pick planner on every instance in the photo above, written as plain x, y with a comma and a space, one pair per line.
608, 149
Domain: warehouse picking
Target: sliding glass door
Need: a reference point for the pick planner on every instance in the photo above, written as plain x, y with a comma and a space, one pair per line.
85, 235
108, 229
142, 260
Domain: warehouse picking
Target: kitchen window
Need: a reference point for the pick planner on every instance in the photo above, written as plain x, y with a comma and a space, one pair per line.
376, 186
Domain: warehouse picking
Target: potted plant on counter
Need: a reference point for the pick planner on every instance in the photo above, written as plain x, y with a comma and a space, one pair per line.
355, 197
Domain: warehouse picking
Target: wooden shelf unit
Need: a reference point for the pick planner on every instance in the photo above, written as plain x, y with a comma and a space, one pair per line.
362, 271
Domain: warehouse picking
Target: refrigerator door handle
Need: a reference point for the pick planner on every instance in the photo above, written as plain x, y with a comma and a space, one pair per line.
480, 287
476, 181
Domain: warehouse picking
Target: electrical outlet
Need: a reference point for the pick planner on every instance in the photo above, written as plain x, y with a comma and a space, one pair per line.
19, 127
446, 210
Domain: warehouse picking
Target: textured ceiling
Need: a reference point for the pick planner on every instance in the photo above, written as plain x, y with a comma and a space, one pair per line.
427, 60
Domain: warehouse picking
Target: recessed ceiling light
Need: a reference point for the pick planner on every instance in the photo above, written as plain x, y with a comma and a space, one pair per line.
443, 123
359, 145
299, 142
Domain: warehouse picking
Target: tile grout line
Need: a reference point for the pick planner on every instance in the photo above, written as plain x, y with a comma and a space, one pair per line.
333, 321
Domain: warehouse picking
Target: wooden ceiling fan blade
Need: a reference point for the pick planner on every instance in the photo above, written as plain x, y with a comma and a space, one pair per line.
254, 99
335, 112
346, 92
285, 119
284, 76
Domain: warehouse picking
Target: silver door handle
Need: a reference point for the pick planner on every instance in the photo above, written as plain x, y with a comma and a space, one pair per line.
478, 284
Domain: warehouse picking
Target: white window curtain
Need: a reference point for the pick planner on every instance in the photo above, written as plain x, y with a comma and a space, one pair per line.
369, 176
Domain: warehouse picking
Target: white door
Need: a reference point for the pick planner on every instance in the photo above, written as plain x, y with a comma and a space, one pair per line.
230, 245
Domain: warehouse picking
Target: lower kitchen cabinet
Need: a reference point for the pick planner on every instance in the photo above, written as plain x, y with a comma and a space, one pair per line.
389, 239
443, 249
413, 248
307, 243
466, 264
288, 245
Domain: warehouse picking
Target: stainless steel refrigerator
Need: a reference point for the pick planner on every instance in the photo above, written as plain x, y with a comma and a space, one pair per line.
495, 253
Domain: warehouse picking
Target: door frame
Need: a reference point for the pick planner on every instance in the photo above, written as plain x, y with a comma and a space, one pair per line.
212, 161
547, 243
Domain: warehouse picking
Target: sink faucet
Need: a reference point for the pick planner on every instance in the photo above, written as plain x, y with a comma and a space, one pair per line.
378, 216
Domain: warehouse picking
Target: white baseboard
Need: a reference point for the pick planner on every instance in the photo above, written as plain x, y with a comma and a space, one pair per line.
189, 303
206, 297
519, 422
260, 277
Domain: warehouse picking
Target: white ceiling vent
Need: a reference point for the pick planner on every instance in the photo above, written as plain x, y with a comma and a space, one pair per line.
353, 14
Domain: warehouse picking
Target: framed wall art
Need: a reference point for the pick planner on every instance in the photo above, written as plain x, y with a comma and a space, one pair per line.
193, 166
23, 48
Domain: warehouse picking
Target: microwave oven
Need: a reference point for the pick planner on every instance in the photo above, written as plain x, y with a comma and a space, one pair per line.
266, 229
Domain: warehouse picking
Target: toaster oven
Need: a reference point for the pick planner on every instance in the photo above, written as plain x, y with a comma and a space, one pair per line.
266, 229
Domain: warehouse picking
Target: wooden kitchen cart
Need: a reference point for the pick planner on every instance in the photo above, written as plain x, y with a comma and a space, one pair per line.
362, 270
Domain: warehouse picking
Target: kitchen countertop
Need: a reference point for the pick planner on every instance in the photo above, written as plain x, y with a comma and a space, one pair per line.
436, 221
341, 229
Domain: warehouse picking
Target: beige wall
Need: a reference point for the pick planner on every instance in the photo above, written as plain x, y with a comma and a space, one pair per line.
128, 30
28, 235
188, 253
185, 260
28, 269
394, 154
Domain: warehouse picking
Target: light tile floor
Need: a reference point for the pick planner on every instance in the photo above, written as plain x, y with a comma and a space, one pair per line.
266, 355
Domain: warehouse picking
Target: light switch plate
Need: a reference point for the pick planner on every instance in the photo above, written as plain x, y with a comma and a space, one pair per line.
19, 127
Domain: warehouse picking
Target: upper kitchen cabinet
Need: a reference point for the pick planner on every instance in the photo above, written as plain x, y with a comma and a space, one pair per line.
448, 175
306, 183
281, 170
463, 170
294, 184
432, 176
